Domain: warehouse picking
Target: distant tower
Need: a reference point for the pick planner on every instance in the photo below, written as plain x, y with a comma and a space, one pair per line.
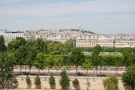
78, 27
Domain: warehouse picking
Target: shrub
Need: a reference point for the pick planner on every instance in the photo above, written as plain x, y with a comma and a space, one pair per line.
52, 81
88, 84
64, 82
28, 81
76, 84
15, 83
129, 77
111, 83
37, 82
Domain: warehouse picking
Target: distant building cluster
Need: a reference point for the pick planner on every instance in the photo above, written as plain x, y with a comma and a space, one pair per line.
81, 38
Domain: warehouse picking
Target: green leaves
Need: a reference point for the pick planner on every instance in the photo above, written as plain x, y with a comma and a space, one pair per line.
111, 83
2, 44
64, 81
40, 61
77, 57
87, 65
129, 76
51, 79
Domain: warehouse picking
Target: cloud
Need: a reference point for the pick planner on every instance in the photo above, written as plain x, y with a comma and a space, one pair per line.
90, 7
95, 14
9, 1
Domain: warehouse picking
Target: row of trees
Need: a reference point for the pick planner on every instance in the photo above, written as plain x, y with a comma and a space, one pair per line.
32, 53
104, 49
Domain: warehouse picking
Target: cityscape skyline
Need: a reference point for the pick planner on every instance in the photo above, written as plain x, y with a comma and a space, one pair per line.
99, 16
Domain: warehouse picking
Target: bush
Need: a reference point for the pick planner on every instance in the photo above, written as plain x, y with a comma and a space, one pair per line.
37, 82
129, 77
64, 82
15, 83
76, 84
52, 81
88, 84
28, 81
111, 83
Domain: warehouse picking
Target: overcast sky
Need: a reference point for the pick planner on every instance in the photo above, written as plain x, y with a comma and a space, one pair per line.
100, 16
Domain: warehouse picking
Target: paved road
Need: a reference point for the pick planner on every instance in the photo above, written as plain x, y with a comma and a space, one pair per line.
69, 73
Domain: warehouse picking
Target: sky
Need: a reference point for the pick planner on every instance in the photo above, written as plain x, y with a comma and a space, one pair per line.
99, 16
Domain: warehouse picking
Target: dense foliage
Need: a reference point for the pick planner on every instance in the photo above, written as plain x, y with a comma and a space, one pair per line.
28, 81
129, 76
37, 82
104, 49
111, 83
52, 81
64, 81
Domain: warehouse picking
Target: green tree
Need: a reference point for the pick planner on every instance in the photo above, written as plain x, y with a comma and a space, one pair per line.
52, 81
64, 81
58, 62
69, 45
77, 57
37, 82
15, 44
95, 57
39, 45
40, 62
6, 69
111, 83
28, 81
31, 57
2, 44
50, 62
128, 57
20, 56
129, 76
87, 65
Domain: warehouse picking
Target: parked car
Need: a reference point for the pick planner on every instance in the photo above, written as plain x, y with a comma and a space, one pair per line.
25, 73
79, 74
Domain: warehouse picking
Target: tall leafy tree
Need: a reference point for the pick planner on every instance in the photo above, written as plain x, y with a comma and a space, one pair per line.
128, 56
87, 65
95, 56
6, 69
50, 62
40, 62
31, 57
58, 62
20, 56
15, 44
2, 44
129, 76
77, 57
39, 45
69, 45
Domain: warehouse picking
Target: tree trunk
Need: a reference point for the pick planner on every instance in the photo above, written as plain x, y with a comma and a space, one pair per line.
38, 71
30, 70
132, 87
20, 69
57, 71
76, 70
48, 71
96, 70
100, 69
25, 68
87, 72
